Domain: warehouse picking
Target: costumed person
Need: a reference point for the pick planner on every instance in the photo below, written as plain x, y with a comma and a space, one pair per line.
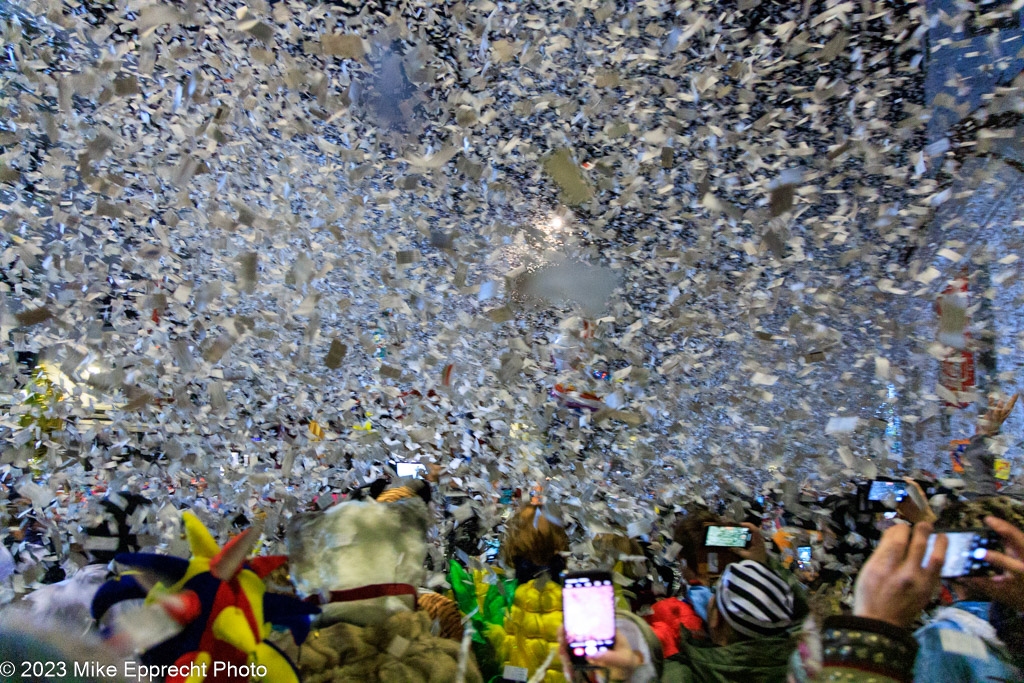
363, 562
218, 613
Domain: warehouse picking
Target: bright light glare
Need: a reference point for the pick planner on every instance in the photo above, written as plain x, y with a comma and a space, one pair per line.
89, 371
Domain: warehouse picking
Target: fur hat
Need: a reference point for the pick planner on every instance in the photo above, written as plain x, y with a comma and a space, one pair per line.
401, 649
355, 544
971, 514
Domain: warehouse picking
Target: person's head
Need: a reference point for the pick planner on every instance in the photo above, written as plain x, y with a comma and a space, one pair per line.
968, 515
751, 602
532, 538
689, 533
609, 549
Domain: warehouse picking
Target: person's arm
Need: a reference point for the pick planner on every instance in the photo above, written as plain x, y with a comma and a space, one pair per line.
992, 421
914, 507
891, 591
634, 637
860, 648
980, 475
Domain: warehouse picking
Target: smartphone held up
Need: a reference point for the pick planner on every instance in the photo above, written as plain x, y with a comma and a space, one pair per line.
803, 557
588, 613
965, 552
716, 536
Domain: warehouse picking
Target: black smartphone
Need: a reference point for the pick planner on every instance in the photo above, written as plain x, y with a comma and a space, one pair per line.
883, 489
588, 613
726, 536
965, 553
873, 495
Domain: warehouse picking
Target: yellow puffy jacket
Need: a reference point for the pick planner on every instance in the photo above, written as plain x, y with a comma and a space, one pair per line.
530, 630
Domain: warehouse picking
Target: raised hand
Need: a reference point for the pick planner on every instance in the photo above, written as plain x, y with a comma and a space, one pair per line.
893, 586
757, 551
998, 411
1008, 586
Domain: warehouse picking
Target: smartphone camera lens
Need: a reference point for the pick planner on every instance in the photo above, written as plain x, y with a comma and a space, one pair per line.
979, 553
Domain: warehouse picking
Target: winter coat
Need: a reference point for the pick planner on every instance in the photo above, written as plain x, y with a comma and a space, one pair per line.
959, 644
530, 629
666, 618
764, 660
854, 649
401, 648
483, 596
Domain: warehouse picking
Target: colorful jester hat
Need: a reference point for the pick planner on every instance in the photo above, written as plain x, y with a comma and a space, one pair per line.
219, 599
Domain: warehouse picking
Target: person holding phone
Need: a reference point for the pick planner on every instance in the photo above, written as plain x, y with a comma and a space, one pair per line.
670, 615
963, 642
876, 643
749, 620
598, 642
689, 533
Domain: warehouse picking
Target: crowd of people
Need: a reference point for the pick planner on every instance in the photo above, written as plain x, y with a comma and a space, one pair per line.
847, 588
601, 277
